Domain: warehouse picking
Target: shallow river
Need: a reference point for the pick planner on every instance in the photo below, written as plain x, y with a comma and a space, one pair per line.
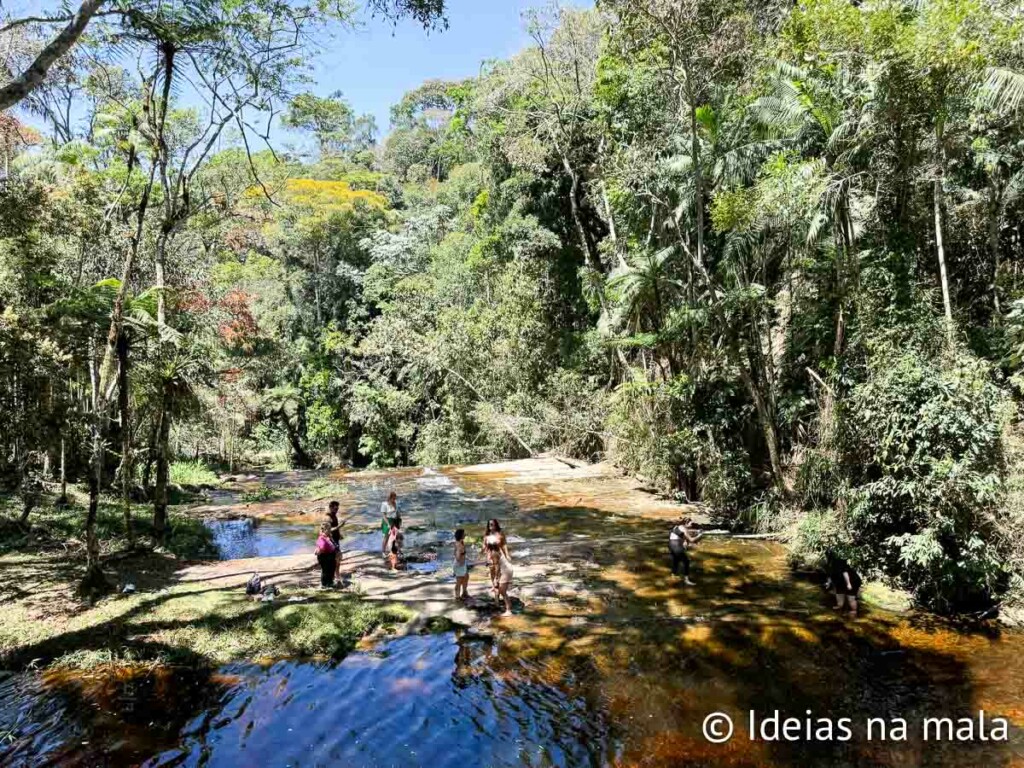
432, 506
623, 671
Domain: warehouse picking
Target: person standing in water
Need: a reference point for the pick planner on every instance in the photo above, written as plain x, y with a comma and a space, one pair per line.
388, 517
393, 543
844, 581
460, 566
505, 573
681, 538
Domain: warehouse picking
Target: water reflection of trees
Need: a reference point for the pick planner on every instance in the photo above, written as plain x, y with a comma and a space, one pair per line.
112, 715
553, 709
748, 637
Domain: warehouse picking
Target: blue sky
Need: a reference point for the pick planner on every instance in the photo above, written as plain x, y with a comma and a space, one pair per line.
375, 65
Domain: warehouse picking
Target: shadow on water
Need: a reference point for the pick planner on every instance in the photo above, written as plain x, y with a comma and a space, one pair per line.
112, 716
421, 700
425, 700
749, 637
620, 670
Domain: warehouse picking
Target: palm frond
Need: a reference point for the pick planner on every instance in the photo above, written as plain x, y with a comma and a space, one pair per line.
787, 70
816, 229
1003, 90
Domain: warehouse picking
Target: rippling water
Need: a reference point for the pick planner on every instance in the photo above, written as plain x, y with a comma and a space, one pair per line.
433, 700
621, 670
431, 504
423, 700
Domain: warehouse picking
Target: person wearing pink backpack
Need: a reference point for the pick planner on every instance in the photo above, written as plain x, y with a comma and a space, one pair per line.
326, 555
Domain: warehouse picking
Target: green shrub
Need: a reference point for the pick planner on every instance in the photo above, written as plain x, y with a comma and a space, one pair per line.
819, 479
923, 439
261, 492
814, 533
57, 526
727, 483
192, 473
684, 435
643, 420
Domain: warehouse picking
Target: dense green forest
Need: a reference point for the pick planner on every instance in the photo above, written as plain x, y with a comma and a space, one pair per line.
766, 257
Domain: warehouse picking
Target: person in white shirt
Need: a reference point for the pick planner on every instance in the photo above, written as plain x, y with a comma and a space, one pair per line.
681, 538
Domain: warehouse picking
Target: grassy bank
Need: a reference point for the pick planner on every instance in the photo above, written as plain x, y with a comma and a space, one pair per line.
60, 527
193, 622
167, 619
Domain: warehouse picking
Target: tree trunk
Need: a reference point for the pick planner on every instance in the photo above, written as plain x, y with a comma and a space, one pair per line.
94, 582
125, 470
31, 490
771, 435
764, 405
574, 205
843, 266
993, 247
21, 86
612, 233
162, 465
63, 473
316, 287
161, 254
946, 303
299, 455
698, 182
147, 468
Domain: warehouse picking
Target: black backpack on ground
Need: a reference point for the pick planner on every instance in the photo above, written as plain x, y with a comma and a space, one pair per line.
254, 586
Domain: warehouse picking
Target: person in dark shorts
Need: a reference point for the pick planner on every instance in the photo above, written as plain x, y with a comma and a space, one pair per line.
844, 582
681, 538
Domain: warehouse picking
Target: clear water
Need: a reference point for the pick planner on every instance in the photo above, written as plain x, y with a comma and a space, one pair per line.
621, 670
432, 506
422, 700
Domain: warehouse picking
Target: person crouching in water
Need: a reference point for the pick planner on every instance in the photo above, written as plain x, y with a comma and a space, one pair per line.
844, 582
460, 566
326, 555
681, 538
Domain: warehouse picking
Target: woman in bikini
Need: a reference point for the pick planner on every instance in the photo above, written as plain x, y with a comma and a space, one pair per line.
496, 550
494, 539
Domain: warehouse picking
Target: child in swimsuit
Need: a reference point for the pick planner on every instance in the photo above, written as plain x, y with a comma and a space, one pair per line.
396, 538
460, 567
